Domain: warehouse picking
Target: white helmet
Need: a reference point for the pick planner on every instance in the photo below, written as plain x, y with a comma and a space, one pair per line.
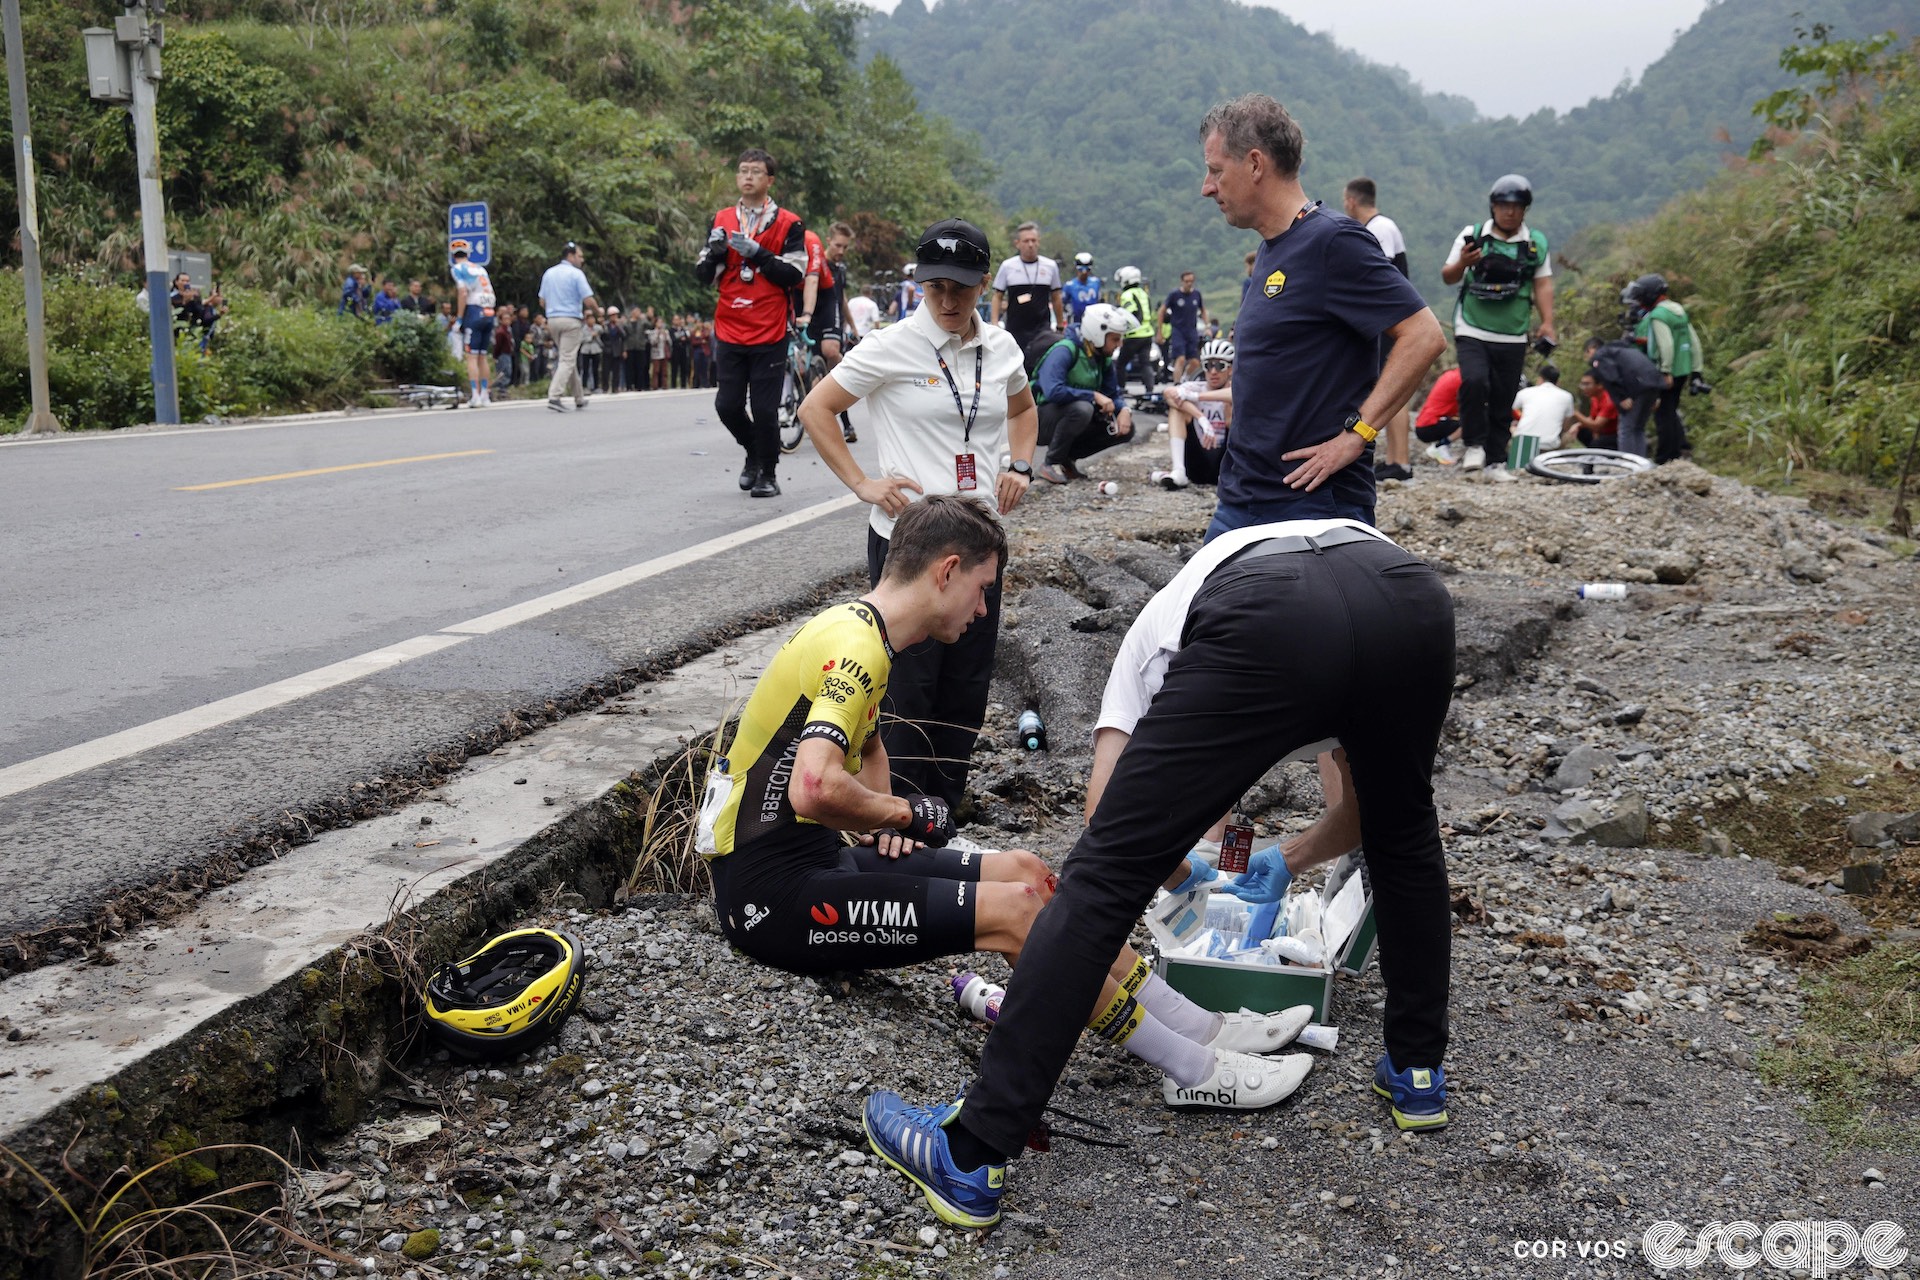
1102, 319
906, 269
1083, 259
1127, 276
1217, 349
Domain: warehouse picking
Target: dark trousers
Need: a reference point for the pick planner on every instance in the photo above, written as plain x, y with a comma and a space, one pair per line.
936, 700
1281, 650
751, 375
1489, 380
699, 368
636, 362
1136, 357
1672, 439
682, 364
1076, 430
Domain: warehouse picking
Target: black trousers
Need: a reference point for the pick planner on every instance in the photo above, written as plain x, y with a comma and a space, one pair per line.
1076, 430
1672, 439
1136, 356
756, 371
1280, 651
936, 700
1489, 380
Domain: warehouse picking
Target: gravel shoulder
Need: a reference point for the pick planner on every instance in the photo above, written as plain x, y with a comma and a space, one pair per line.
1610, 1015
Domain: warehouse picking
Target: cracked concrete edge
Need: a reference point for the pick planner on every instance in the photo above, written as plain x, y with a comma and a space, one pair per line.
309, 1053
271, 1010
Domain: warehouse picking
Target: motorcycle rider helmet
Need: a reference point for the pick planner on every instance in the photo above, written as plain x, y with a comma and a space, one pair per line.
1102, 319
1127, 277
1645, 291
1511, 189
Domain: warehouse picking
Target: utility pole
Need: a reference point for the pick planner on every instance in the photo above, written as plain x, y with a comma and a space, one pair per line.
141, 36
123, 67
42, 418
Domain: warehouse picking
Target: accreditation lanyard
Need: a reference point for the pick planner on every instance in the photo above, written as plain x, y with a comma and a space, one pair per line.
966, 476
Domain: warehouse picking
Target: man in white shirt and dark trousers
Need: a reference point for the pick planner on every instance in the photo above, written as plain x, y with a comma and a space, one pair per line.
1268, 641
947, 398
1504, 271
1026, 289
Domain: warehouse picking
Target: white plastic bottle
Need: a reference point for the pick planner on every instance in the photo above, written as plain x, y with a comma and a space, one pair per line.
1602, 591
978, 996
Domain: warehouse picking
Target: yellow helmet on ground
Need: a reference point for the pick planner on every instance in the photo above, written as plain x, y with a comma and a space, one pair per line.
510, 996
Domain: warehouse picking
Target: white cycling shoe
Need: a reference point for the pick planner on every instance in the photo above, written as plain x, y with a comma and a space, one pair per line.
1241, 1082
1250, 1032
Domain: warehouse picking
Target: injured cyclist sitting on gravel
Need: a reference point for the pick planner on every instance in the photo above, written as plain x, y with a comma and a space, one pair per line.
1198, 415
806, 765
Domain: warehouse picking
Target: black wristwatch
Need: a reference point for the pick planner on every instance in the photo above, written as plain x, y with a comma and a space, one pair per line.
1020, 468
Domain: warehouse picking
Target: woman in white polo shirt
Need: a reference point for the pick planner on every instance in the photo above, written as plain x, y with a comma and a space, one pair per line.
947, 398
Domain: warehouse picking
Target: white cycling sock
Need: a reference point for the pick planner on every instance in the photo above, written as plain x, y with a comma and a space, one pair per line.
1177, 447
1153, 1041
1180, 1014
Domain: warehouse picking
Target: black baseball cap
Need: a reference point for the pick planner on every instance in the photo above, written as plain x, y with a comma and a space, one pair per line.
952, 249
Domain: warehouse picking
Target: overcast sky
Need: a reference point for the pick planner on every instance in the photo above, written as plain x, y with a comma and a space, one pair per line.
1584, 49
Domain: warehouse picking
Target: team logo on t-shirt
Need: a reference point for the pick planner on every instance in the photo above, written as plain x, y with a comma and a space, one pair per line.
1275, 283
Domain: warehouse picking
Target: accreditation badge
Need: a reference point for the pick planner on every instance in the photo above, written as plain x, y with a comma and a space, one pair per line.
966, 478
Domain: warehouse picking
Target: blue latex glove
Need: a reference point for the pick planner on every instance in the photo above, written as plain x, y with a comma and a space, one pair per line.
743, 244
1265, 879
1198, 873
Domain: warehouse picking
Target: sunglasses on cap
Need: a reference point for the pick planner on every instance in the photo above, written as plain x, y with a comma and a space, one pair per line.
1214, 366
953, 250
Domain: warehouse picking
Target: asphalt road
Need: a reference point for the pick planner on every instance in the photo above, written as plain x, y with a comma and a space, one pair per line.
141, 583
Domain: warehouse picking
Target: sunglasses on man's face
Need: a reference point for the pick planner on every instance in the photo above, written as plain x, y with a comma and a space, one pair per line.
1215, 366
952, 249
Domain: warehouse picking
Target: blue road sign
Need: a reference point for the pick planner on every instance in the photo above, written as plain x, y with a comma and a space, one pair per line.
471, 222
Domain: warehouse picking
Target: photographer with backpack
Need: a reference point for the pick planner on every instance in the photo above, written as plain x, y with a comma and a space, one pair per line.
1662, 329
1504, 272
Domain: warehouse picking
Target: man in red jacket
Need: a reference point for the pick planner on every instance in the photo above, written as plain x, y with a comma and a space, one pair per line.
755, 251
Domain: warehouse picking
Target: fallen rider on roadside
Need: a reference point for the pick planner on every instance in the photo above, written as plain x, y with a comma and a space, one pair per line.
806, 765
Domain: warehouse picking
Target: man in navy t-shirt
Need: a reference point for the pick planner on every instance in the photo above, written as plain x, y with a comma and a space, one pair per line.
1307, 381
1182, 313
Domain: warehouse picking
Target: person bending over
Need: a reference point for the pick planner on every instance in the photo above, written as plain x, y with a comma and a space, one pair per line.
806, 765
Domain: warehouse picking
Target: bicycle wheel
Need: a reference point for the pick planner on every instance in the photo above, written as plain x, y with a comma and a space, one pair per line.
791, 432
1587, 466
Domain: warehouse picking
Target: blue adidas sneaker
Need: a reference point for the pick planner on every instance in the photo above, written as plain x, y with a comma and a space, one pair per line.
914, 1141
1418, 1095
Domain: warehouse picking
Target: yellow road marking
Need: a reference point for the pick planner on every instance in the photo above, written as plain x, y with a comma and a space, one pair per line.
327, 471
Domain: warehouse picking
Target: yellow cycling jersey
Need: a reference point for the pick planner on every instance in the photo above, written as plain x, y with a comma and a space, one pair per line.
826, 682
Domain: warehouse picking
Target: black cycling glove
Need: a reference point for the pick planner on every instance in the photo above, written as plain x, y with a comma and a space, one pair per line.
932, 822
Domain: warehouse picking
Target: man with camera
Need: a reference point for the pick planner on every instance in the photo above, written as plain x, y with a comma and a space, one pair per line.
1662, 329
1504, 272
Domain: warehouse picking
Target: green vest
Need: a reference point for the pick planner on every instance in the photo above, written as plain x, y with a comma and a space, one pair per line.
1085, 373
1673, 317
1136, 301
1497, 293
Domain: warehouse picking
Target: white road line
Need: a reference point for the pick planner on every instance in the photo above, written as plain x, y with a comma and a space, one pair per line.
41, 770
490, 622
310, 419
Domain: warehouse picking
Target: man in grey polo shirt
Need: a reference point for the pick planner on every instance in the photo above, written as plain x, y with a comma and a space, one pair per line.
564, 292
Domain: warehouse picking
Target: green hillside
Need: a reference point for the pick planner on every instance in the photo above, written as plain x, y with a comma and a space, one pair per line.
1100, 125
1802, 272
300, 135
